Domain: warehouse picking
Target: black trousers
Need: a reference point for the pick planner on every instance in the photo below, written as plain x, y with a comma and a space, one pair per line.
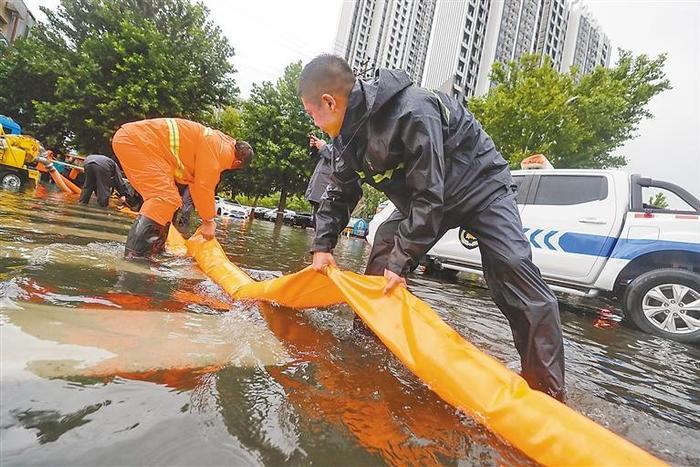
515, 284
98, 180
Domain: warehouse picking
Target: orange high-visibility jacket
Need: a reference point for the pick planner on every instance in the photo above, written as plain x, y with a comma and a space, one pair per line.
197, 155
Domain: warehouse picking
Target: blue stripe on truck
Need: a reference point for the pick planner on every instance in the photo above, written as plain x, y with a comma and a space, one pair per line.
598, 245
629, 249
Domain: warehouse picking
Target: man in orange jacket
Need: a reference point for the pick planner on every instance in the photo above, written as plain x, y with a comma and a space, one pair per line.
158, 153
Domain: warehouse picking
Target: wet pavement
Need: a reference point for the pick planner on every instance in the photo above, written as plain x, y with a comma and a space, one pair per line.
106, 362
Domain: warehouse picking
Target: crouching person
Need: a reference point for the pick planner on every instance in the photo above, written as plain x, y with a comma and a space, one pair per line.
159, 154
102, 177
432, 159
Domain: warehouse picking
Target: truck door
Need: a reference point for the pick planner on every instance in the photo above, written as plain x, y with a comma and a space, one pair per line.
458, 246
569, 220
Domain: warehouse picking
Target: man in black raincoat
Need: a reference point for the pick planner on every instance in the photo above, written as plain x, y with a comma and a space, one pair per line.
320, 178
433, 160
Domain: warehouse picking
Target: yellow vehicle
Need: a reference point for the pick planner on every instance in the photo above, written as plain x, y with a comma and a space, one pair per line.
16, 152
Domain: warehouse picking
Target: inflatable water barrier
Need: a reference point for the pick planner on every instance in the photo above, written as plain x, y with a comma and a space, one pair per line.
46, 165
541, 427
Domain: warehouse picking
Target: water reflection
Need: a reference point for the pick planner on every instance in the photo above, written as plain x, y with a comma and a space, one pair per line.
106, 361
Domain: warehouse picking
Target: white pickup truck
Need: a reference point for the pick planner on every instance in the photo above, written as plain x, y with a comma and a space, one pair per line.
592, 234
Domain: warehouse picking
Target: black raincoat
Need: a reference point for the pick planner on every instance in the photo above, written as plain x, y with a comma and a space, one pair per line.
433, 160
321, 176
424, 150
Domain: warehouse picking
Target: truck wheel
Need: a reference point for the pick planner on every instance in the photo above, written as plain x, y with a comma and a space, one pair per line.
10, 180
666, 302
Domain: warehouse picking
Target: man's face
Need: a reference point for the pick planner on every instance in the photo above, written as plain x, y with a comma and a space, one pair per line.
328, 114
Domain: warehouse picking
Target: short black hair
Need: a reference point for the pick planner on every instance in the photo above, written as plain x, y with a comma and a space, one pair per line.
325, 74
244, 153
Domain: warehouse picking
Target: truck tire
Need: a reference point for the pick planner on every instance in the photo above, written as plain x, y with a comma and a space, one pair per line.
10, 180
666, 302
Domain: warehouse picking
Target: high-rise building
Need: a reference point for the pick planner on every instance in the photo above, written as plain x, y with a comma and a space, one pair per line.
456, 45
511, 32
551, 30
15, 21
469, 36
385, 34
586, 45
463, 48
452, 45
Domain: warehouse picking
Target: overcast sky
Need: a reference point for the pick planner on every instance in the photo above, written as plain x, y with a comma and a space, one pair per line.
269, 34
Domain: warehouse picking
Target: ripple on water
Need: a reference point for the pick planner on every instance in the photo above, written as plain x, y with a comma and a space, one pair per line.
302, 387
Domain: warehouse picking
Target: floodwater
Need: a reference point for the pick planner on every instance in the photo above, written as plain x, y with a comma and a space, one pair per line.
105, 362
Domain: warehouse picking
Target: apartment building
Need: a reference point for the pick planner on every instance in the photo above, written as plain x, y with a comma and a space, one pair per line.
15, 21
452, 45
385, 34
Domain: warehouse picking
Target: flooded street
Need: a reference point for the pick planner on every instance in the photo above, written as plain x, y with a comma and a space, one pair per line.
107, 362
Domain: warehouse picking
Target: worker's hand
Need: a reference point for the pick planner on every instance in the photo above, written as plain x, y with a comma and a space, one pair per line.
208, 229
315, 142
122, 199
392, 280
322, 260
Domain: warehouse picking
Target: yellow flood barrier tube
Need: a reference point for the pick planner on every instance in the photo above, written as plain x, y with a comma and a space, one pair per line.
541, 427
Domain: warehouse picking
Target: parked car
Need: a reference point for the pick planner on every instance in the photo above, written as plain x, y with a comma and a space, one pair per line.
303, 220
592, 234
259, 212
225, 208
381, 206
271, 215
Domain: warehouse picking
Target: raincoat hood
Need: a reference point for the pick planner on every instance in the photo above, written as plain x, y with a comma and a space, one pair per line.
367, 97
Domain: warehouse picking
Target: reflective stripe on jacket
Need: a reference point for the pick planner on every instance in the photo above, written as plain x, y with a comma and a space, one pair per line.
197, 155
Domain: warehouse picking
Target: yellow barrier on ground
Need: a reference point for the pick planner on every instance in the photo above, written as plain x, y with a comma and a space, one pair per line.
543, 428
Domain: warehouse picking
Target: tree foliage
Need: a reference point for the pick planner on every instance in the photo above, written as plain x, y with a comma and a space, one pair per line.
371, 198
576, 122
275, 124
658, 201
95, 64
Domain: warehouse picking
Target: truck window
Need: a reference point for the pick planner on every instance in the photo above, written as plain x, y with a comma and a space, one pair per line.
558, 190
664, 200
522, 194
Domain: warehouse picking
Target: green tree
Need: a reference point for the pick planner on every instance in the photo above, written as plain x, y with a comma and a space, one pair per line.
29, 72
230, 121
576, 122
96, 64
371, 197
276, 125
658, 201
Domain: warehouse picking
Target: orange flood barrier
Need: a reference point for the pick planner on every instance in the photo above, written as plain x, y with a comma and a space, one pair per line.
541, 427
59, 180
71, 186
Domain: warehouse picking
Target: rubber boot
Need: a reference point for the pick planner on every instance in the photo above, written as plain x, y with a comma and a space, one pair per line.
146, 238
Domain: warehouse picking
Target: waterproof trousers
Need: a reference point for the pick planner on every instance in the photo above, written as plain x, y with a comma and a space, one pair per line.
98, 180
515, 284
152, 175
